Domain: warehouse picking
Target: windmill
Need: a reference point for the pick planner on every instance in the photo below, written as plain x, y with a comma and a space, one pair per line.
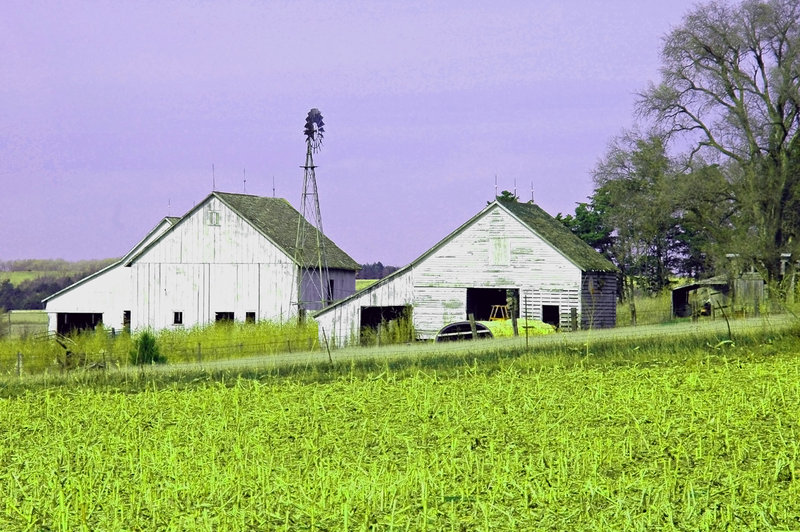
314, 289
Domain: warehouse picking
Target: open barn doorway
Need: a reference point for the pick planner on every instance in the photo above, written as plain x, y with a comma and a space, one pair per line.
384, 325
481, 300
69, 322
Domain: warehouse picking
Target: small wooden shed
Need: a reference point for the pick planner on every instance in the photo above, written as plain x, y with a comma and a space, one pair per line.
742, 294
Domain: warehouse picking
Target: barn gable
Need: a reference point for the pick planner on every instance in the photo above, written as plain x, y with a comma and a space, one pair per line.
230, 257
225, 226
506, 249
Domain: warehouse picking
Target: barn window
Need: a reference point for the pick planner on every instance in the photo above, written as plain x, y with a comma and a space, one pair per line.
329, 296
249, 317
177, 318
551, 315
223, 317
499, 252
213, 217
68, 322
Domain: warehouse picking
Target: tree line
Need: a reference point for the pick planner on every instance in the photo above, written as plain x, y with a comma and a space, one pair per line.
375, 270
54, 265
708, 181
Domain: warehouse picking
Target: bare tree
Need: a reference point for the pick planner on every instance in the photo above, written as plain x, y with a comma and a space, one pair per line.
730, 87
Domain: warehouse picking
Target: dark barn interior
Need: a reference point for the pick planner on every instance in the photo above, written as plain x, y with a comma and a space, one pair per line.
69, 322
481, 300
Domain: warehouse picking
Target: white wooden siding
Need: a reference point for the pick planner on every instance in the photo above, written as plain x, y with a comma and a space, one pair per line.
200, 269
343, 323
494, 251
107, 293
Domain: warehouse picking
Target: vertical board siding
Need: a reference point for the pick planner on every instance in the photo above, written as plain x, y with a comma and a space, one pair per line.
107, 293
599, 295
201, 269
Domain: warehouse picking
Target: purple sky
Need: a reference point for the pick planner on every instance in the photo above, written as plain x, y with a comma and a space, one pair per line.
112, 113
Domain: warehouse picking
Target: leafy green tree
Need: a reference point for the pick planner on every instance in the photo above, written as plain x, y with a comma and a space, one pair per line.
506, 196
590, 223
145, 350
730, 90
634, 181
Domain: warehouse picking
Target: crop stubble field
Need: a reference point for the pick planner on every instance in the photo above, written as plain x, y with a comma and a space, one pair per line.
683, 439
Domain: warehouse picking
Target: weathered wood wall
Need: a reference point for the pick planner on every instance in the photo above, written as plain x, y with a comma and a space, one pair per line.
494, 251
599, 298
341, 325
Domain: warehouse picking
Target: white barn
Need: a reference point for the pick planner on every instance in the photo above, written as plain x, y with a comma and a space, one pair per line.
232, 257
508, 247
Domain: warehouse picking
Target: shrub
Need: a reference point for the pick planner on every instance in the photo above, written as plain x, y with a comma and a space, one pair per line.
145, 350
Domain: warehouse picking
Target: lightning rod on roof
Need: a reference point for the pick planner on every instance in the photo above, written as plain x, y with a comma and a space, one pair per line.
213, 179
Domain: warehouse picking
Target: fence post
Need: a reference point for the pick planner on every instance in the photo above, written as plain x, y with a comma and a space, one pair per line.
472, 326
527, 323
19, 364
756, 310
573, 318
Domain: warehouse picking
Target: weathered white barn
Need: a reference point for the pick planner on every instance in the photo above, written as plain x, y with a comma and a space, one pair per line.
232, 257
507, 248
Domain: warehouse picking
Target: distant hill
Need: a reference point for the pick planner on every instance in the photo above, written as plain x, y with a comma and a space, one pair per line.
24, 283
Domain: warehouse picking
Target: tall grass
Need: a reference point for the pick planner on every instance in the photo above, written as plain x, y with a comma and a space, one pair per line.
397, 331
101, 348
650, 310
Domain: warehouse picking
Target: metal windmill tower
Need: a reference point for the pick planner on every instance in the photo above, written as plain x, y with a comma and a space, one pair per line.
313, 289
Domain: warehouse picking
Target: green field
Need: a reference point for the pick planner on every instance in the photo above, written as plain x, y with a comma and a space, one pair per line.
21, 323
363, 283
681, 432
18, 277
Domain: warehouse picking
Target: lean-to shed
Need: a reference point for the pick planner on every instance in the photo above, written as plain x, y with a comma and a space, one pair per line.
508, 251
232, 257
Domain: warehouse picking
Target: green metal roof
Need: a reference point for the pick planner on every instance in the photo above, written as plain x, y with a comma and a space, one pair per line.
276, 219
559, 236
